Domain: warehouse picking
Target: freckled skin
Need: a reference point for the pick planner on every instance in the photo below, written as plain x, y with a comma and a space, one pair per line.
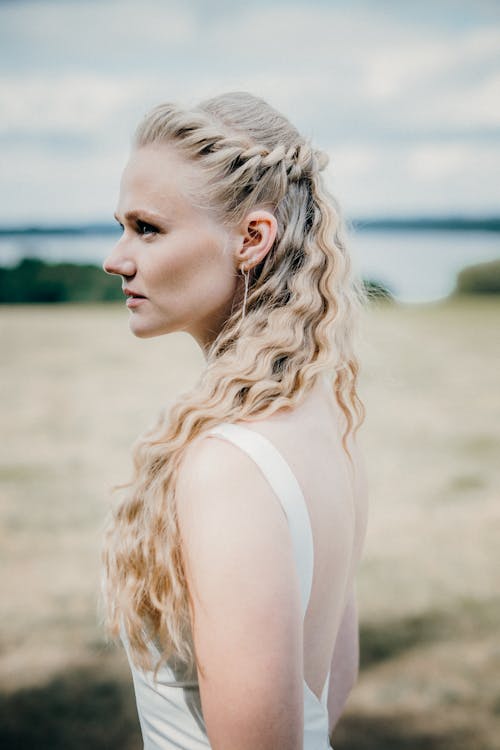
188, 268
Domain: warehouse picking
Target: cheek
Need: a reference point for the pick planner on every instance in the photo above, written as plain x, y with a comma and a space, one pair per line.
194, 271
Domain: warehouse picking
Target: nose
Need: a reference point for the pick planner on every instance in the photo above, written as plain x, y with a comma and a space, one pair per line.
119, 262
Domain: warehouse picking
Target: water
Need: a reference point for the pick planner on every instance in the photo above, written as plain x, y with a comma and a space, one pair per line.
417, 266
421, 266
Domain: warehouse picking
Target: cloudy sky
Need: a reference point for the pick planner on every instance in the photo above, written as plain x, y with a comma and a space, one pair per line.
404, 96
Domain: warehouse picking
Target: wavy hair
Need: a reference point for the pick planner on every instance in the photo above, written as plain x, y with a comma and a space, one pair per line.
301, 314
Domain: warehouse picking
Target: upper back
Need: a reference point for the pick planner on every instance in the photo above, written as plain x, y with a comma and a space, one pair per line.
301, 455
309, 440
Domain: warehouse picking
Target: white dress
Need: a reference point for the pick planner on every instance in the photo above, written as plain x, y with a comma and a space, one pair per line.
169, 709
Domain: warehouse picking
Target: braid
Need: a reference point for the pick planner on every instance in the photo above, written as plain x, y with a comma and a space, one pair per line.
204, 135
301, 311
300, 160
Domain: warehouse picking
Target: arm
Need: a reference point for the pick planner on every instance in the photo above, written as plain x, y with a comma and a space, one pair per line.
345, 661
245, 599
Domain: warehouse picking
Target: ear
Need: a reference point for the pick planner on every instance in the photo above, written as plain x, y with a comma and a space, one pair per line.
257, 232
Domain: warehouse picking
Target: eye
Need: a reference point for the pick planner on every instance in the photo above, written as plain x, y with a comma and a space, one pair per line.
144, 228
120, 225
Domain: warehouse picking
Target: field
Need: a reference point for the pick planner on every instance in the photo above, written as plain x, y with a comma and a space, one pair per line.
78, 388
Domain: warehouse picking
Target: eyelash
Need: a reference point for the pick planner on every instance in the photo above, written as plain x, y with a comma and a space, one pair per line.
141, 226
150, 229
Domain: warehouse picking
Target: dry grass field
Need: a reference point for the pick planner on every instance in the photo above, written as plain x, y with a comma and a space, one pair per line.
77, 388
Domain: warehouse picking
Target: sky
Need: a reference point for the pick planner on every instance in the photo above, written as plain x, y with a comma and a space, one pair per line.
404, 96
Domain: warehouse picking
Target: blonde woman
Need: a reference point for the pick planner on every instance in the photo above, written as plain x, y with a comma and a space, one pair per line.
230, 558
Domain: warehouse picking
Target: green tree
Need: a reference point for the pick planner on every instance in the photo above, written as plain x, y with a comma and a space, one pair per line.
34, 280
481, 278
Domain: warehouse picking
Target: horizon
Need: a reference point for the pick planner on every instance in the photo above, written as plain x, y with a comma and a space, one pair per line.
457, 222
417, 263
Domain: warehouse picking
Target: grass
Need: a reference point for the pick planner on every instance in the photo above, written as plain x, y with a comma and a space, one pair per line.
78, 388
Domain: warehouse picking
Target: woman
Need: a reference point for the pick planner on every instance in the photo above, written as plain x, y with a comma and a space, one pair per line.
230, 559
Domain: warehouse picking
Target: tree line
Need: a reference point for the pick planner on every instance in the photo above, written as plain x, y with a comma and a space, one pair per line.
33, 280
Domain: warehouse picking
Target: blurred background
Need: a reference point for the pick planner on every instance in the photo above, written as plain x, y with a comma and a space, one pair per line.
405, 98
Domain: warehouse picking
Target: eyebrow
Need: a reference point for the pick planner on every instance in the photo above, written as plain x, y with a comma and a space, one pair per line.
139, 214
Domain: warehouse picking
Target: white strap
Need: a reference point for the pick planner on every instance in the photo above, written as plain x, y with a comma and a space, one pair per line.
286, 487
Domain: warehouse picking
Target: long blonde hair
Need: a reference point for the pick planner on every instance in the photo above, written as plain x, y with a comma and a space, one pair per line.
301, 312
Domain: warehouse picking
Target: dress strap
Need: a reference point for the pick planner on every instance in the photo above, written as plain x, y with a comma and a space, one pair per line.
286, 487
324, 694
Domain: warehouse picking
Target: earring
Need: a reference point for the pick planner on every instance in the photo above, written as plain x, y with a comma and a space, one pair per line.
245, 273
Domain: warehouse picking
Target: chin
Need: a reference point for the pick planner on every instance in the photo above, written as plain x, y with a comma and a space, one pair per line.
144, 334
148, 332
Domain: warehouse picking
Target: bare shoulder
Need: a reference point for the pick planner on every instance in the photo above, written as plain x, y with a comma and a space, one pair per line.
222, 496
239, 565
214, 475
208, 459
224, 503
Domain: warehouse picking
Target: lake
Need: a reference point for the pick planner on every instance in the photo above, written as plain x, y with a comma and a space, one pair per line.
417, 266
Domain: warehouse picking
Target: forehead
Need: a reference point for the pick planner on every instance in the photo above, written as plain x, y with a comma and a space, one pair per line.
160, 178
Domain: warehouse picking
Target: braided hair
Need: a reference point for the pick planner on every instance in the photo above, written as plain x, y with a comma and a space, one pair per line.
302, 307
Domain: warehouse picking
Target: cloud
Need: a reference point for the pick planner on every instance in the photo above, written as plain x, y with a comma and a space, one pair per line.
47, 187
476, 105
402, 97
354, 161
78, 102
118, 34
437, 161
405, 179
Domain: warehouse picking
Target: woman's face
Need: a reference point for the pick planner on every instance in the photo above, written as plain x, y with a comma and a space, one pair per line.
174, 254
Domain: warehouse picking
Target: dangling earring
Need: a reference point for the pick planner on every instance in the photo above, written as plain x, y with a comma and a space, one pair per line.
246, 275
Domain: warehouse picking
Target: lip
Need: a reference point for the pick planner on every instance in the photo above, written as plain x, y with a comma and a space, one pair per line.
134, 301
130, 292
133, 298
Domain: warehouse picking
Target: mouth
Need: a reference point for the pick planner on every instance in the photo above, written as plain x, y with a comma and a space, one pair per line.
129, 294
133, 301
132, 298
